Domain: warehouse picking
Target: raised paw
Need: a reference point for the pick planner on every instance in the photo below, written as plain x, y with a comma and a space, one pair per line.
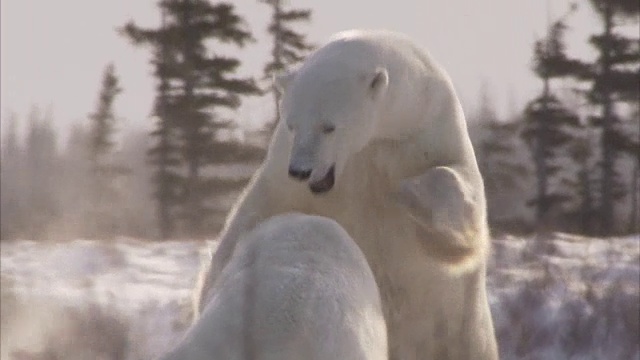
442, 205
437, 199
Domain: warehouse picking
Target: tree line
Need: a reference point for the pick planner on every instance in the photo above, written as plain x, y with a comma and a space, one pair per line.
190, 150
569, 161
582, 132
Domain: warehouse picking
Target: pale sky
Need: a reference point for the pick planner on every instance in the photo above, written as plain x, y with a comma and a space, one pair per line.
53, 52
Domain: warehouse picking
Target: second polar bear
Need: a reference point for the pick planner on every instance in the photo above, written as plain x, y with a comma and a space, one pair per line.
297, 287
373, 136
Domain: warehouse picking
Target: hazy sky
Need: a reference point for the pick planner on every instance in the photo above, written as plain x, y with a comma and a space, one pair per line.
53, 52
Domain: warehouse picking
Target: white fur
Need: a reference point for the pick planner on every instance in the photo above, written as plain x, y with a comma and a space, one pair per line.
407, 187
297, 287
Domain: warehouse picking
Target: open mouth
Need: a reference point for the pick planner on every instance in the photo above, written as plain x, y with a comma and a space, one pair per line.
325, 184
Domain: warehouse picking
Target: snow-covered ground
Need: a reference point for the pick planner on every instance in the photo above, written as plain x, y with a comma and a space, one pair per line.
564, 297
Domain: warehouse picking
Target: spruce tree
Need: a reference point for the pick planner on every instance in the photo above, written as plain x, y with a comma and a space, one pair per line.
11, 202
581, 152
77, 181
504, 172
614, 79
289, 47
10, 143
164, 155
201, 85
104, 171
549, 124
41, 165
634, 213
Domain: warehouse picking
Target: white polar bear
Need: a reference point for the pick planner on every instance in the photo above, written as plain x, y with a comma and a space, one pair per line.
372, 135
297, 287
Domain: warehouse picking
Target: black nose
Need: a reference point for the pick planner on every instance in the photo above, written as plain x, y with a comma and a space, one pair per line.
300, 174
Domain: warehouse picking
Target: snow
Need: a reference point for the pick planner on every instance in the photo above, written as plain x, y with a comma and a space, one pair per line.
566, 297
148, 284
561, 297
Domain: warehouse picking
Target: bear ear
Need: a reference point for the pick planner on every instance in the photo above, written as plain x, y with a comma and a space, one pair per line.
282, 80
379, 82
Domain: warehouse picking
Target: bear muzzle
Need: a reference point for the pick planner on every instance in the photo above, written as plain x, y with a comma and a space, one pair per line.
298, 173
325, 183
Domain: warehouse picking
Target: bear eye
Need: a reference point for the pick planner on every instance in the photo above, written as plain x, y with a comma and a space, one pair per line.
328, 129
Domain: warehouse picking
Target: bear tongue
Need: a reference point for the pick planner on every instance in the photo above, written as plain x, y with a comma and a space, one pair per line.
325, 184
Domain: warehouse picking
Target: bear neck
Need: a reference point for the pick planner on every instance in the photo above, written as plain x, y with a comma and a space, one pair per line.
435, 119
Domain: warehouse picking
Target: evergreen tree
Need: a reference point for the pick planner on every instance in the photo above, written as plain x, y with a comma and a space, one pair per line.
11, 202
614, 79
584, 183
164, 155
103, 119
41, 164
105, 173
289, 47
140, 214
504, 172
11, 145
200, 84
77, 199
634, 214
549, 123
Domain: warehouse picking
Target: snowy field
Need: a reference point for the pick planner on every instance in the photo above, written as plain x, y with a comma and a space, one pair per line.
566, 297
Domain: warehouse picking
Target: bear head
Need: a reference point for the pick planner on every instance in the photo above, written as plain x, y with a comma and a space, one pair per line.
331, 111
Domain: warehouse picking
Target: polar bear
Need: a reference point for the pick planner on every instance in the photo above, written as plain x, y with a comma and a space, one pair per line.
373, 136
297, 287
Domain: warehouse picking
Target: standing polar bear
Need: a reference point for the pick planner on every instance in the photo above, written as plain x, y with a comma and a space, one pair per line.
373, 136
297, 287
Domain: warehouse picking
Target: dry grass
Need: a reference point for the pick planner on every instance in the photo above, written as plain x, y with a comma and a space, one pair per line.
557, 305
